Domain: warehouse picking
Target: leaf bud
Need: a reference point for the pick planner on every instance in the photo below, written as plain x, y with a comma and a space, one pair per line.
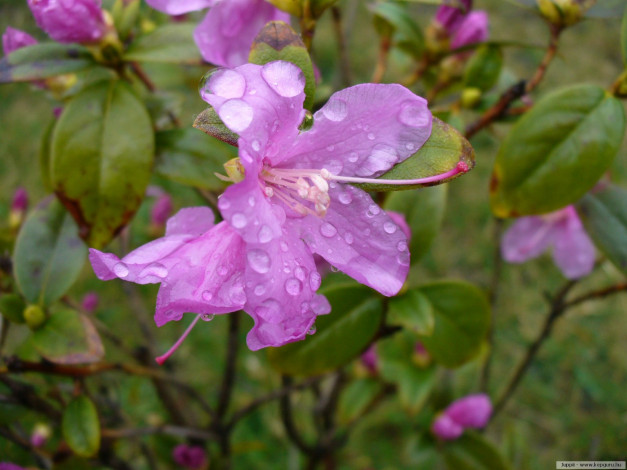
563, 13
470, 97
34, 316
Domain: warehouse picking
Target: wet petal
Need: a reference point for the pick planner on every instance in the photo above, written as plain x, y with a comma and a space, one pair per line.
281, 284
262, 104
527, 238
190, 221
359, 238
362, 131
179, 7
573, 251
14, 39
226, 34
473, 29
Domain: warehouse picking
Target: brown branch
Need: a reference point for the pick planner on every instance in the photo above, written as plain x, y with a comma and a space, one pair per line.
596, 295
546, 60
345, 69
384, 51
27, 397
288, 423
169, 430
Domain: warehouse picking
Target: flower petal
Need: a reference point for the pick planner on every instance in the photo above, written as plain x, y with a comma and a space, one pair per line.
190, 221
179, 7
281, 284
473, 29
527, 238
225, 35
262, 104
573, 251
14, 39
359, 238
445, 428
472, 411
362, 131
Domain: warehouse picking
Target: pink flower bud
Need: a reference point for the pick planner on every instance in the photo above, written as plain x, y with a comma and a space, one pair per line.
370, 359
69, 21
189, 456
473, 411
472, 30
20, 200
39, 436
10, 466
450, 18
90, 302
445, 428
161, 210
14, 39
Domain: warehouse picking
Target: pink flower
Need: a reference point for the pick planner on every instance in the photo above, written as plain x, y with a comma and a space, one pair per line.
370, 359
69, 21
450, 18
90, 302
10, 466
187, 456
14, 39
473, 29
472, 411
528, 237
20, 200
161, 210
226, 34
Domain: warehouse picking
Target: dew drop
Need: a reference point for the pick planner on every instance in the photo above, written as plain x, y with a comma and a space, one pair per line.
236, 114
227, 83
238, 220
293, 286
335, 110
401, 246
284, 247
270, 311
403, 258
207, 296
237, 295
256, 145
334, 167
410, 146
223, 203
334, 269
353, 157
300, 273
251, 201
222, 270
265, 234
312, 330
414, 114
328, 230
284, 78
370, 136
304, 307
345, 198
348, 238
155, 269
260, 289
331, 148
315, 280
207, 317
120, 270
287, 270
389, 227
259, 261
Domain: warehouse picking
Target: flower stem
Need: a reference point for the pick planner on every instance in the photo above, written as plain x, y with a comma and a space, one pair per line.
461, 167
164, 357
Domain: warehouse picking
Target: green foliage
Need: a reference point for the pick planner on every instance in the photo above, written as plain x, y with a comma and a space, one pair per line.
623, 38
189, 157
557, 152
210, 123
412, 311
356, 398
171, 43
462, 316
444, 149
81, 427
340, 336
484, 67
101, 157
12, 307
604, 215
44, 60
278, 41
68, 337
473, 452
424, 212
48, 254
392, 20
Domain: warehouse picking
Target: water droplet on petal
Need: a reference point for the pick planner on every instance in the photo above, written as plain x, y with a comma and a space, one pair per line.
222, 270
207, 317
259, 261
236, 114
312, 330
353, 157
155, 269
238, 220
403, 258
293, 286
383, 157
334, 269
251, 201
270, 311
373, 210
315, 280
265, 234
120, 270
260, 289
223, 203
401, 246
348, 238
328, 230
410, 146
284, 247
345, 197
256, 145
370, 136
226, 83
335, 110
237, 295
300, 273
285, 78
389, 227
414, 114
334, 167
207, 296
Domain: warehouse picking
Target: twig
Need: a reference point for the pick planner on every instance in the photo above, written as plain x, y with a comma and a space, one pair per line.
546, 60
169, 430
345, 69
228, 378
288, 422
384, 51
598, 294
27, 396
143, 77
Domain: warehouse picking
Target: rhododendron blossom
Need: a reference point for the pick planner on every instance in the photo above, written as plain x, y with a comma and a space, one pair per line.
70, 20
14, 39
226, 34
528, 237
472, 411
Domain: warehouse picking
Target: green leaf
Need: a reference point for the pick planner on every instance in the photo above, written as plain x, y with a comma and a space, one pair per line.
444, 149
102, 152
44, 60
189, 157
210, 123
623, 38
393, 19
356, 397
413, 311
340, 336
557, 151
44, 154
462, 317
318, 6
293, 7
68, 337
484, 68
424, 212
604, 215
12, 307
48, 254
172, 43
81, 427
278, 41
414, 384
473, 452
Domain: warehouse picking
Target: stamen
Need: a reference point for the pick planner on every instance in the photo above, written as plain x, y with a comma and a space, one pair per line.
161, 359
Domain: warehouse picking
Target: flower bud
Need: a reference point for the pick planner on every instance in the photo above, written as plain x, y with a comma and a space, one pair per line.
451, 17
40, 435
445, 428
70, 21
470, 97
34, 316
10, 466
187, 456
370, 359
474, 29
18, 207
473, 411
14, 39
90, 302
421, 356
161, 210
564, 12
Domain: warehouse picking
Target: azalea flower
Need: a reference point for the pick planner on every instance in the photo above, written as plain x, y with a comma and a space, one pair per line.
226, 34
70, 21
473, 29
14, 39
451, 17
192, 457
528, 237
472, 411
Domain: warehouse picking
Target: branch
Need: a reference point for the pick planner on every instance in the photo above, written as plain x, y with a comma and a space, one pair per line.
169, 430
228, 378
598, 294
288, 423
345, 69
